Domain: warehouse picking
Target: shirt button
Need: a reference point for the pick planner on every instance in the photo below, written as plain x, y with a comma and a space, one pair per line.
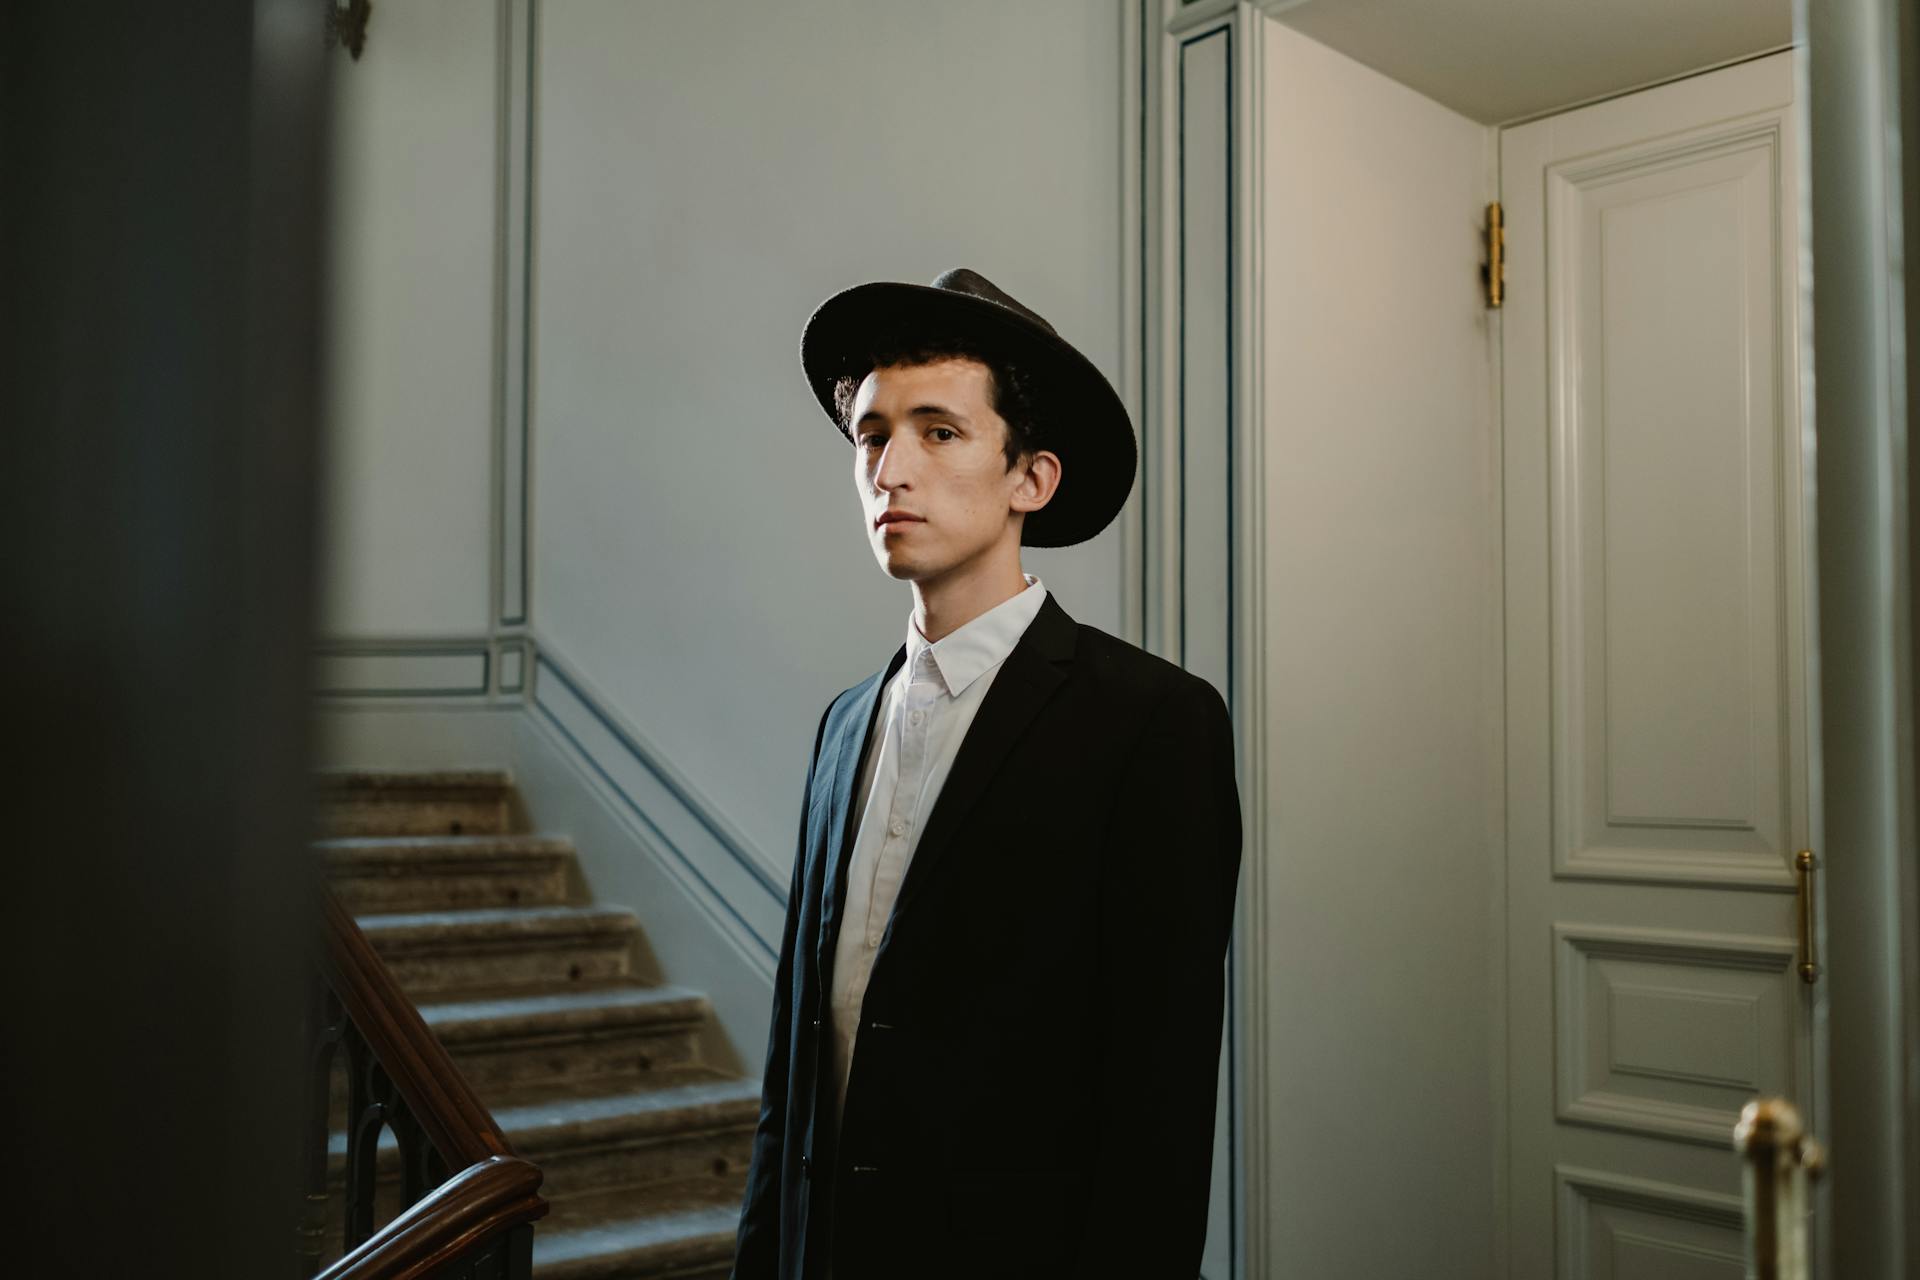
872, 943
915, 717
898, 828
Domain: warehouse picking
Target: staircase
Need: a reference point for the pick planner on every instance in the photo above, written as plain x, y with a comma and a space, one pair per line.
594, 1076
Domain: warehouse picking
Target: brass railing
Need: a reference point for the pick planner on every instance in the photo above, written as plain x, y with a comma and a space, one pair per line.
1779, 1159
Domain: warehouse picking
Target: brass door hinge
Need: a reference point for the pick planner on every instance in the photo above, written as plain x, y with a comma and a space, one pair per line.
347, 25
1493, 272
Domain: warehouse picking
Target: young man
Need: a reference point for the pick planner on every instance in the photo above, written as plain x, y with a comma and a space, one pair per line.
997, 1011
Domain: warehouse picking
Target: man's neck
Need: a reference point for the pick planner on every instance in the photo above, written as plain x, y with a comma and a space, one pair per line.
943, 606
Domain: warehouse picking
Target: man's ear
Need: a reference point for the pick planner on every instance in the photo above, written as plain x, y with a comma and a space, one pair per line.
1039, 480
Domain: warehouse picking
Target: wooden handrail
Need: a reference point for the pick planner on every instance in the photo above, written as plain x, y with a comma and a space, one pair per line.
491, 1201
455, 1120
480, 1201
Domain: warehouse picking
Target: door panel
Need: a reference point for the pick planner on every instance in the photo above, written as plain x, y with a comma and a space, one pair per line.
1665, 289
1637, 1229
1657, 751
1668, 1033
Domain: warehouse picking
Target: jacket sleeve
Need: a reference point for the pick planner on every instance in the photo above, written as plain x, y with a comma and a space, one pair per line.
1171, 866
757, 1242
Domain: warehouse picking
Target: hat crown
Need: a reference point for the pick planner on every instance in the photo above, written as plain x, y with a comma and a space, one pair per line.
973, 284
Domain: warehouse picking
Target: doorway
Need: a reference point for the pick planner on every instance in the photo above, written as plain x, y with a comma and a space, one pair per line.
1661, 733
1521, 934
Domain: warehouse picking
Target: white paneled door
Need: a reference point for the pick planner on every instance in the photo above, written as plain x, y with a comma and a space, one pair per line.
1659, 735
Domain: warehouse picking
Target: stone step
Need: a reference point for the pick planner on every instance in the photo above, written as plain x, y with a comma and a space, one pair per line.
685, 1231
451, 802
591, 1135
500, 1040
508, 1039
695, 1124
491, 948
415, 873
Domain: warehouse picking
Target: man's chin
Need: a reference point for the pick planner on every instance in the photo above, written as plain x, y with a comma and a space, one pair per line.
904, 568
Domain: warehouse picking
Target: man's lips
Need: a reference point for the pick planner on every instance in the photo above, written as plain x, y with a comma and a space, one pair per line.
886, 518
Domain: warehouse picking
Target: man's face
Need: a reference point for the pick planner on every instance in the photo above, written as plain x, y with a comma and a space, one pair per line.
928, 444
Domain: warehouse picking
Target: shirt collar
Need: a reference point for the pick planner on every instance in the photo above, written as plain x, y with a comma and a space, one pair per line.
967, 653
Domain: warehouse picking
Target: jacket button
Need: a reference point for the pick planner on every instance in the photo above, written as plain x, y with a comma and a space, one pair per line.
806, 1166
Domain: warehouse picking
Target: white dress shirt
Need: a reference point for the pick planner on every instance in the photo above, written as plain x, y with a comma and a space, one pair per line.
924, 714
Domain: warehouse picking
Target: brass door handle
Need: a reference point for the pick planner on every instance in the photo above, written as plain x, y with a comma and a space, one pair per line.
1805, 864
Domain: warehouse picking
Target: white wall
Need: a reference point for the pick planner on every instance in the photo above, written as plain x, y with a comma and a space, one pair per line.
705, 176
1382, 676
410, 416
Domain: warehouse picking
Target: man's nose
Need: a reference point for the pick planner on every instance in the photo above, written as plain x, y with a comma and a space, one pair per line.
895, 468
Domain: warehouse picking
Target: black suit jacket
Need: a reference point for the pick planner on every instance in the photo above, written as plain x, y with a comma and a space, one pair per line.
1032, 1089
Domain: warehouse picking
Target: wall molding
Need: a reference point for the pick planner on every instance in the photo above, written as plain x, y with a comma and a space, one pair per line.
1135, 171
1179, 17
1250, 643
513, 289
426, 669
714, 861
1184, 374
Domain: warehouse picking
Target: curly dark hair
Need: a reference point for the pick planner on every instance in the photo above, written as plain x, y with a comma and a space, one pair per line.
1010, 389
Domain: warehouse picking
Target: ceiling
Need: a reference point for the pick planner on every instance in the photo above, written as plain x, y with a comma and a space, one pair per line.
1498, 61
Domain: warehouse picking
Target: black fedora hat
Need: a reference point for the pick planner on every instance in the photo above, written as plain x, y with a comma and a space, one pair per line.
1081, 417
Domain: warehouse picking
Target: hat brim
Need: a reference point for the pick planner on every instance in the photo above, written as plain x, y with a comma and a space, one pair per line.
1086, 424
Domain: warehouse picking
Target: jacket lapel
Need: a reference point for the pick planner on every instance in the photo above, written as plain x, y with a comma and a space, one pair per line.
1032, 671
849, 756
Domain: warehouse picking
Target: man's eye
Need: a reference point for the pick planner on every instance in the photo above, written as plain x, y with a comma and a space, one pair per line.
950, 433
868, 441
